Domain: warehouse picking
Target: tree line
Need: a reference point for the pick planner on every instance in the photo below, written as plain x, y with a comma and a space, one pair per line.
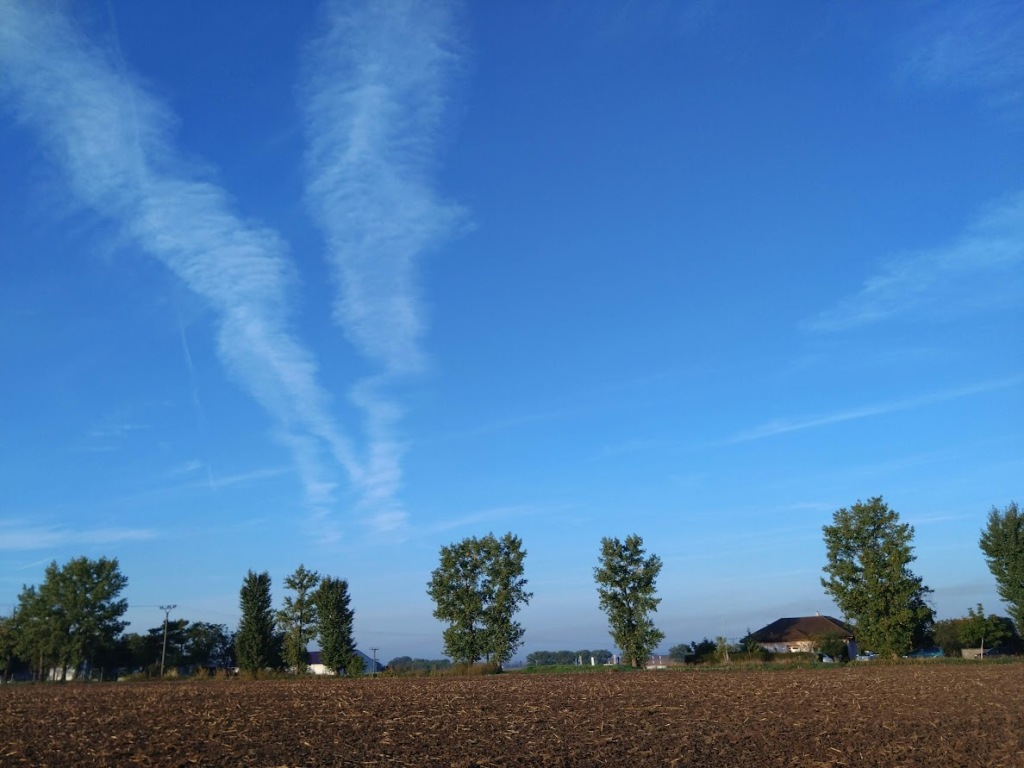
318, 608
479, 586
868, 574
72, 624
73, 621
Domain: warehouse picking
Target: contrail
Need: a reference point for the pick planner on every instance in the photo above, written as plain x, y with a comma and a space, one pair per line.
112, 140
783, 426
374, 95
197, 404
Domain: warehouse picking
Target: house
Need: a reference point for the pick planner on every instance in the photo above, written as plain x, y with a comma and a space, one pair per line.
316, 667
804, 633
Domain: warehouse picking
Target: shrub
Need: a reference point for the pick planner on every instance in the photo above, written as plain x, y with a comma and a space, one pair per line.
832, 645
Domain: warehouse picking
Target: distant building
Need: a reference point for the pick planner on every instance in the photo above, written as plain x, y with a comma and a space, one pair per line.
804, 634
316, 667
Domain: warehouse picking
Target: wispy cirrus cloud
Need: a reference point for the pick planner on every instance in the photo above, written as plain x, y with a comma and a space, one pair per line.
492, 515
113, 142
111, 433
988, 258
974, 46
374, 94
18, 535
783, 426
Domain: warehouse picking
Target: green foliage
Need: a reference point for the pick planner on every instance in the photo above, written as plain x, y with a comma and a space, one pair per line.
477, 589
256, 647
337, 647
35, 638
703, 651
946, 635
140, 652
752, 649
680, 652
567, 658
355, 666
722, 649
626, 587
831, 645
176, 639
755, 656
72, 617
977, 629
869, 554
505, 592
189, 644
209, 645
404, 665
1002, 542
574, 669
8, 644
297, 620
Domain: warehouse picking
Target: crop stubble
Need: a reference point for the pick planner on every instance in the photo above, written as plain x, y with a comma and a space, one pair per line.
861, 715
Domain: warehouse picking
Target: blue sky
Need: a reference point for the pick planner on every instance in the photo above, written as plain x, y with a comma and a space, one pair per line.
341, 284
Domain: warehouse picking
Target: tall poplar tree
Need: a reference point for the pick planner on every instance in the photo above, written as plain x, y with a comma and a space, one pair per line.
297, 620
626, 585
254, 641
869, 555
337, 647
1002, 542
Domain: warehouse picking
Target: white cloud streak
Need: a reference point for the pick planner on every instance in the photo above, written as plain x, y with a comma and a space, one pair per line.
783, 426
374, 96
975, 46
981, 271
15, 536
112, 140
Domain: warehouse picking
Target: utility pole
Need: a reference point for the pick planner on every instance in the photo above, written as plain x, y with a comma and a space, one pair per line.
167, 612
375, 660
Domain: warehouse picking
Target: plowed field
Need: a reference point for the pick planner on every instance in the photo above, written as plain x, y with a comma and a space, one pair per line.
860, 715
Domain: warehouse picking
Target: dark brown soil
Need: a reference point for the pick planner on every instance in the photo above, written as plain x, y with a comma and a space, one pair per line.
861, 715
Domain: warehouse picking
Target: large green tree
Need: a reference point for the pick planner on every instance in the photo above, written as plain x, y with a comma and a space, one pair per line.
209, 645
978, 630
1002, 542
477, 589
170, 640
36, 635
73, 616
869, 553
505, 590
189, 643
626, 585
297, 620
337, 646
255, 644
456, 587
142, 651
946, 635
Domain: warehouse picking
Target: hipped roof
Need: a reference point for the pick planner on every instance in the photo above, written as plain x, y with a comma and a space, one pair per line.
792, 630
